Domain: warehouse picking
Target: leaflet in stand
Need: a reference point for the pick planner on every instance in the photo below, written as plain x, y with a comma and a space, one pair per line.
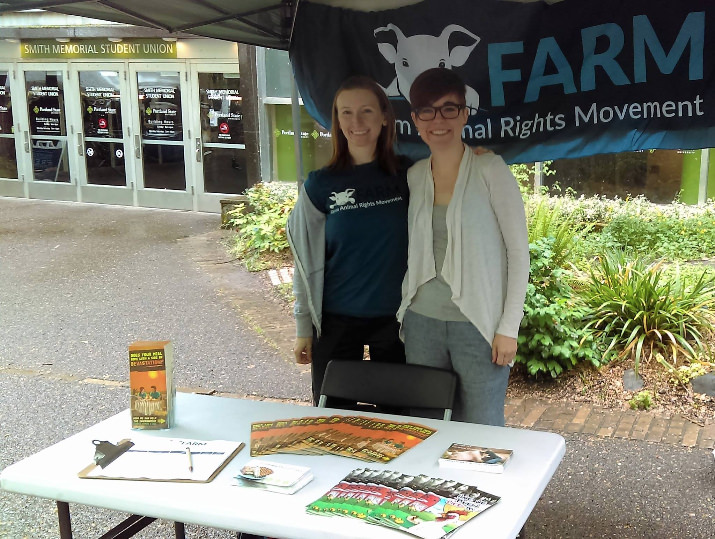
274, 476
152, 384
477, 458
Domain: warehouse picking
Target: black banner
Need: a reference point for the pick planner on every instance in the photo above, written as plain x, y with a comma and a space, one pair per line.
544, 81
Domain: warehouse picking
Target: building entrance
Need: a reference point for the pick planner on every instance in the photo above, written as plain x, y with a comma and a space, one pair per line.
165, 134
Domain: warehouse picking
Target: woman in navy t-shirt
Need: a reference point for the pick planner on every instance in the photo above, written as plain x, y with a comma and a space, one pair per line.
348, 234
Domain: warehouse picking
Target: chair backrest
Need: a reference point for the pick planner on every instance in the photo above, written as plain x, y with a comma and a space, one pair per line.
390, 384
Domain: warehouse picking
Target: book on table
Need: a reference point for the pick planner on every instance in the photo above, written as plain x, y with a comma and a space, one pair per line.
151, 384
274, 476
474, 457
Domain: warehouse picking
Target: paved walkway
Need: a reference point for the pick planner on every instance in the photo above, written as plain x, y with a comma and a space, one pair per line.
271, 319
537, 414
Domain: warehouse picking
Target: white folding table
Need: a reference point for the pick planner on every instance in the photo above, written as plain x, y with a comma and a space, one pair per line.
52, 473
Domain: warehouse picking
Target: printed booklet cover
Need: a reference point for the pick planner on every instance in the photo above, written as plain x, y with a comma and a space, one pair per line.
365, 438
426, 507
473, 457
152, 384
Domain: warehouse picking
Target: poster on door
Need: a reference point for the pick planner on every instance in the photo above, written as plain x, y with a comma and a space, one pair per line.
161, 113
101, 105
223, 117
45, 110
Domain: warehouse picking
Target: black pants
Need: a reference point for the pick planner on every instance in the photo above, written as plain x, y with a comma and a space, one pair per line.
343, 338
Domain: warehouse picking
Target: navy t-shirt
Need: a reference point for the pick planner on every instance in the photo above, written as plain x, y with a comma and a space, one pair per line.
365, 236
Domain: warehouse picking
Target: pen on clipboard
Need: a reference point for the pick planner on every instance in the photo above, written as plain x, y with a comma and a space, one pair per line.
191, 460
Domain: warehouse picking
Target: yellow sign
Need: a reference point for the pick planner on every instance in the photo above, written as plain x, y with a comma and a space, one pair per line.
98, 48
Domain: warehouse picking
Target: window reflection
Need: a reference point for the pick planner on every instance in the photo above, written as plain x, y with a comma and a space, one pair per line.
105, 163
164, 167
49, 160
225, 170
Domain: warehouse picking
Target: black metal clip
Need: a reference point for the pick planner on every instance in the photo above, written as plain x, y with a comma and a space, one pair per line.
106, 452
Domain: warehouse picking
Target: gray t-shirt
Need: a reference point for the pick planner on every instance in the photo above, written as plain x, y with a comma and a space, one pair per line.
434, 298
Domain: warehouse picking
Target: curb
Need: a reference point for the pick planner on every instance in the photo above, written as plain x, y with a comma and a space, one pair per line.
593, 420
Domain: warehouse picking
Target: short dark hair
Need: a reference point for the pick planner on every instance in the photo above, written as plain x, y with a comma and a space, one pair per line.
435, 83
386, 158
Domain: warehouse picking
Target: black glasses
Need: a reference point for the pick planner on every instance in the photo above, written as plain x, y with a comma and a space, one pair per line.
449, 111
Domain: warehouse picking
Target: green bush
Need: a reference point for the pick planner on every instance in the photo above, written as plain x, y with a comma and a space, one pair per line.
546, 217
552, 338
674, 231
261, 223
639, 311
525, 172
643, 400
664, 236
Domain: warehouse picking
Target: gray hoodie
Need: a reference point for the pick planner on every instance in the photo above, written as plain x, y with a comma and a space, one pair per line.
306, 236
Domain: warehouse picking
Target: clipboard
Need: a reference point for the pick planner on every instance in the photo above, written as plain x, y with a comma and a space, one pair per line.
166, 460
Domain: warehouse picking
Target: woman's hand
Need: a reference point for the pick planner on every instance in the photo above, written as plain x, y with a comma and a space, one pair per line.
303, 350
503, 349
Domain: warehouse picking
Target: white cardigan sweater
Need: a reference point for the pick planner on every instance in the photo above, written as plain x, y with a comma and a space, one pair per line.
487, 258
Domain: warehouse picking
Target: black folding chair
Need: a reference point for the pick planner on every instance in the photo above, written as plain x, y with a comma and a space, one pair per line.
389, 384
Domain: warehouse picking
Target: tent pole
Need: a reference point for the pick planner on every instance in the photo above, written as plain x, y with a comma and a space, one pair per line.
295, 106
704, 168
538, 176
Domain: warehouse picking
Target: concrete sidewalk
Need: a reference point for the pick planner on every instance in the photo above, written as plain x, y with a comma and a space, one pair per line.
78, 282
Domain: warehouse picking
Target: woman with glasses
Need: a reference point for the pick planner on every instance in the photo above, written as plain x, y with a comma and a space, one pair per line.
468, 265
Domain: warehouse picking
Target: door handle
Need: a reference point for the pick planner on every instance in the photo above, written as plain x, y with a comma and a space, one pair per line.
137, 147
198, 150
80, 146
27, 142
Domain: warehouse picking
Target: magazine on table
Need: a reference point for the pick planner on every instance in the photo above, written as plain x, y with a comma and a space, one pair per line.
473, 457
426, 507
365, 438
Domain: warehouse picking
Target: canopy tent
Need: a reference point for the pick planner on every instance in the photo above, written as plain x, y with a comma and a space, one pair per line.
266, 23
580, 79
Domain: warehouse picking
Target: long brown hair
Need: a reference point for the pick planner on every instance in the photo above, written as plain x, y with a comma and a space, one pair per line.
386, 158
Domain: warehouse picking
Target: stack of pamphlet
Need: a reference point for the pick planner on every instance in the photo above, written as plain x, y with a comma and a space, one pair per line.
473, 457
365, 438
274, 476
423, 506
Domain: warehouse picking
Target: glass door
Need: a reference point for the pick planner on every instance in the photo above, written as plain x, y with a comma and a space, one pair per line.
219, 150
10, 183
100, 94
47, 133
160, 136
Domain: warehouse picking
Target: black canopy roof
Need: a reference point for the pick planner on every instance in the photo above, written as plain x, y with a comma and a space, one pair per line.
267, 23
